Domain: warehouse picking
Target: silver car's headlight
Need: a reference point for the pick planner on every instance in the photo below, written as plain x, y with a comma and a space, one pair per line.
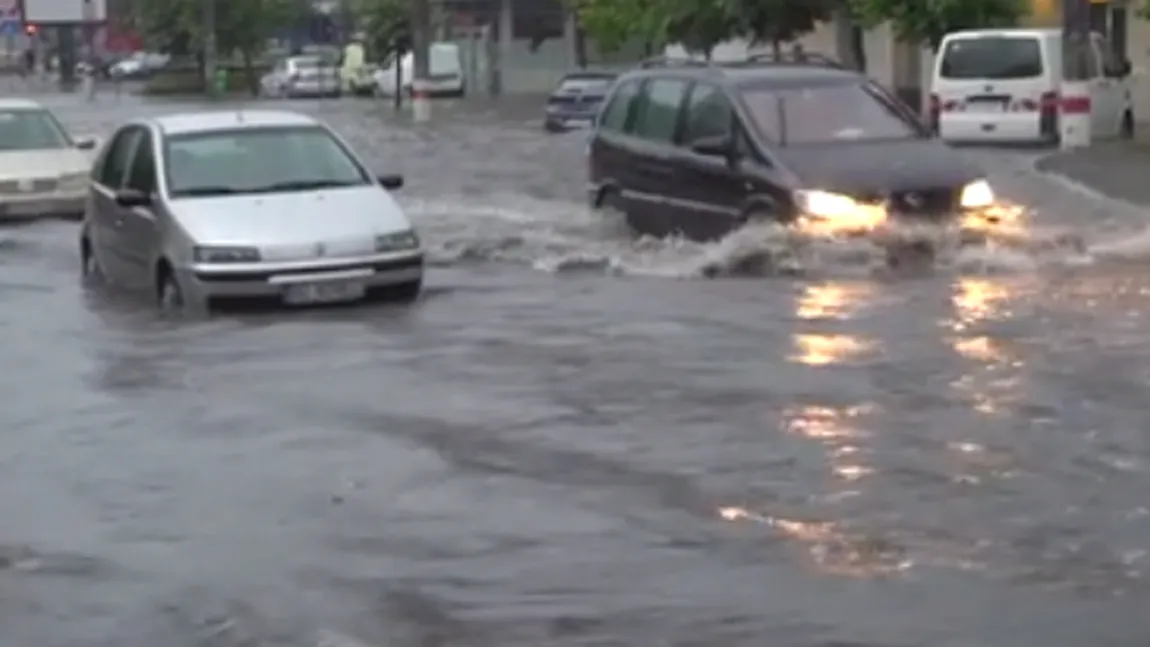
225, 254
825, 204
397, 242
977, 195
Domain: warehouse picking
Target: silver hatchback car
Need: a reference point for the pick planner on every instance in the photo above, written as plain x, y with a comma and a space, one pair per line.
190, 208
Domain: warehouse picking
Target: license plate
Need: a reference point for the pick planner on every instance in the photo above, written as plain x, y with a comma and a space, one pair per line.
984, 106
323, 292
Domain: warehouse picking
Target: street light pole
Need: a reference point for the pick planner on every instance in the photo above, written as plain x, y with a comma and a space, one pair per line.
210, 54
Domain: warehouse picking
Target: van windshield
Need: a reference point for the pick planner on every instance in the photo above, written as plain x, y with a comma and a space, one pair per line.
992, 57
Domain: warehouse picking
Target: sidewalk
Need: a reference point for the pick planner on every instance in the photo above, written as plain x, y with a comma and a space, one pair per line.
1120, 170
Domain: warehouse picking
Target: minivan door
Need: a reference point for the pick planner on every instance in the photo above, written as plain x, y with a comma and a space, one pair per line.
713, 184
658, 200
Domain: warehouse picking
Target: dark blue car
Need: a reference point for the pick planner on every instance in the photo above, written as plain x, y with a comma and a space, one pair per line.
575, 103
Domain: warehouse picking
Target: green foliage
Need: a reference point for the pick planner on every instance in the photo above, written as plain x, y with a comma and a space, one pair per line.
927, 21
177, 26
699, 25
386, 25
781, 21
613, 24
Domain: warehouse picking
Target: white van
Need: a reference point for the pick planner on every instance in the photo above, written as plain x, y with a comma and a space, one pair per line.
1002, 86
446, 63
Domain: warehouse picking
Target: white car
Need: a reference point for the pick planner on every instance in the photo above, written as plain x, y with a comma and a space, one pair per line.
196, 208
446, 73
43, 170
1003, 86
302, 76
138, 64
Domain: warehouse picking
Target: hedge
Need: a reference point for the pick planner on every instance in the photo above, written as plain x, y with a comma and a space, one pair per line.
188, 80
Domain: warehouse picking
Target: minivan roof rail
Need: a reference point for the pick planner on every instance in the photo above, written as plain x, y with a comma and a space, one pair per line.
761, 58
794, 58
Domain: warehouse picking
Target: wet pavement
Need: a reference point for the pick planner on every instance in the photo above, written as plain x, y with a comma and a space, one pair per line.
575, 440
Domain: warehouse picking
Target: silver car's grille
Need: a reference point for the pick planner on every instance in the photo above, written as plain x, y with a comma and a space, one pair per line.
38, 185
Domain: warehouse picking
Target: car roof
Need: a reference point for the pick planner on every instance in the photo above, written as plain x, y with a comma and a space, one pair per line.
203, 122
20, 104
757, 71
1016, 32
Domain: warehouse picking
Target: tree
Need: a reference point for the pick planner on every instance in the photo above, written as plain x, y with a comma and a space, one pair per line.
928, 21
242, 27
781, 21
387, 26
699, 25
612, 24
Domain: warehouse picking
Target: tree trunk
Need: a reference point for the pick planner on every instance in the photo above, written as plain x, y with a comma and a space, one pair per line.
844, 37
777, 48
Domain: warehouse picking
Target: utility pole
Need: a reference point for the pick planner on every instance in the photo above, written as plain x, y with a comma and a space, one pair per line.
1074, 96
421, 55
210, 54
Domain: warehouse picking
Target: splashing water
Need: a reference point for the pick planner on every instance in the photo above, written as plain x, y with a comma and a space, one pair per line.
555, 236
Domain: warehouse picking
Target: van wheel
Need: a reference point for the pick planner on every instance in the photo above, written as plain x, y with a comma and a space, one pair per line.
1127, 129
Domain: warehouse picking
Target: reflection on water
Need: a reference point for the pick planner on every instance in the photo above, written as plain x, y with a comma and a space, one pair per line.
834, 428
833, 300
825, 301
993, 383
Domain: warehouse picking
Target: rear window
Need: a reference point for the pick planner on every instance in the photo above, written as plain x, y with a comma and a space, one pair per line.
586, 84
992, 57
825, 114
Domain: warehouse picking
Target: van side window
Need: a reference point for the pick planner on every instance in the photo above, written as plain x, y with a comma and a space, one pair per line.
657, 116
614, 117
709, 114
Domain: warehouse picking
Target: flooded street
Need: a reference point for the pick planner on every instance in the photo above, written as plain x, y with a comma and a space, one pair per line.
574, 440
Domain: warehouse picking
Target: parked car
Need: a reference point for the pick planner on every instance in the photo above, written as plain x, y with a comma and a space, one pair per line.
698, 149
193, 208
138, 65
1003, 85
576, 102
301, 76
446, 72
44, 171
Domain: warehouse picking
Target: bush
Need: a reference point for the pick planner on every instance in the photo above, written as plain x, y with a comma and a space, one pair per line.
186, 79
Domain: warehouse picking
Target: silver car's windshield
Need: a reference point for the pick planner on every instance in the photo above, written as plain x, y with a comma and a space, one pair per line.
258, 160
30, 130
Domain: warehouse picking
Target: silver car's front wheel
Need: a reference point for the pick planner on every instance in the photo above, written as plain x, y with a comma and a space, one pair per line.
89, 267
169, 294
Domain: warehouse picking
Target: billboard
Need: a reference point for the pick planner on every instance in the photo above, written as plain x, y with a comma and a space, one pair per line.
64, 12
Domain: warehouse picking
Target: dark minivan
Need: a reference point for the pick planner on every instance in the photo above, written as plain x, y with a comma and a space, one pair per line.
696, 149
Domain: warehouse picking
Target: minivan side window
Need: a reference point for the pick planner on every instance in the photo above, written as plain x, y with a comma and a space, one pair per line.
658, 110
614, 117
709, 114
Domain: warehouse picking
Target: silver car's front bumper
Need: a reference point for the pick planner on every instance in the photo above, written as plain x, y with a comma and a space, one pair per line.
28, 206
203, 282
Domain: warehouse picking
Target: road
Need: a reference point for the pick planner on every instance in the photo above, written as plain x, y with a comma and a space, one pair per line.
575, 440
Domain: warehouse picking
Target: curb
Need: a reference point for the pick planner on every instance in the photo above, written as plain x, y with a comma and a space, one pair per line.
1076, 186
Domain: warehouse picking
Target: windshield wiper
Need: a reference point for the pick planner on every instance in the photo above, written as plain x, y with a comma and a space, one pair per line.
303, 185
203, 191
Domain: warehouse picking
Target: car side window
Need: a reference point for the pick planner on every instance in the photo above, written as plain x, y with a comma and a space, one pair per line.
709, 114
142, 176
615, 115
657, 116
114, 166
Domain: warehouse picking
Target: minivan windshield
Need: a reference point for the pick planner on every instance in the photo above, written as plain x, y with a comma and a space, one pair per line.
992, 57
823, 114
258, 160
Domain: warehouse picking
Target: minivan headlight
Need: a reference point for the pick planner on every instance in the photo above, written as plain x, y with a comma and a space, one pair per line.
825, 204
977, 195
396, 242
225, 254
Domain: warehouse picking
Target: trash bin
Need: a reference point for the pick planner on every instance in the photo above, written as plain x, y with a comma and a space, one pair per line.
221, 81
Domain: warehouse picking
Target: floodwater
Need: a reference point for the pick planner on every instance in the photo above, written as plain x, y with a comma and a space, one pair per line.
575, 439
